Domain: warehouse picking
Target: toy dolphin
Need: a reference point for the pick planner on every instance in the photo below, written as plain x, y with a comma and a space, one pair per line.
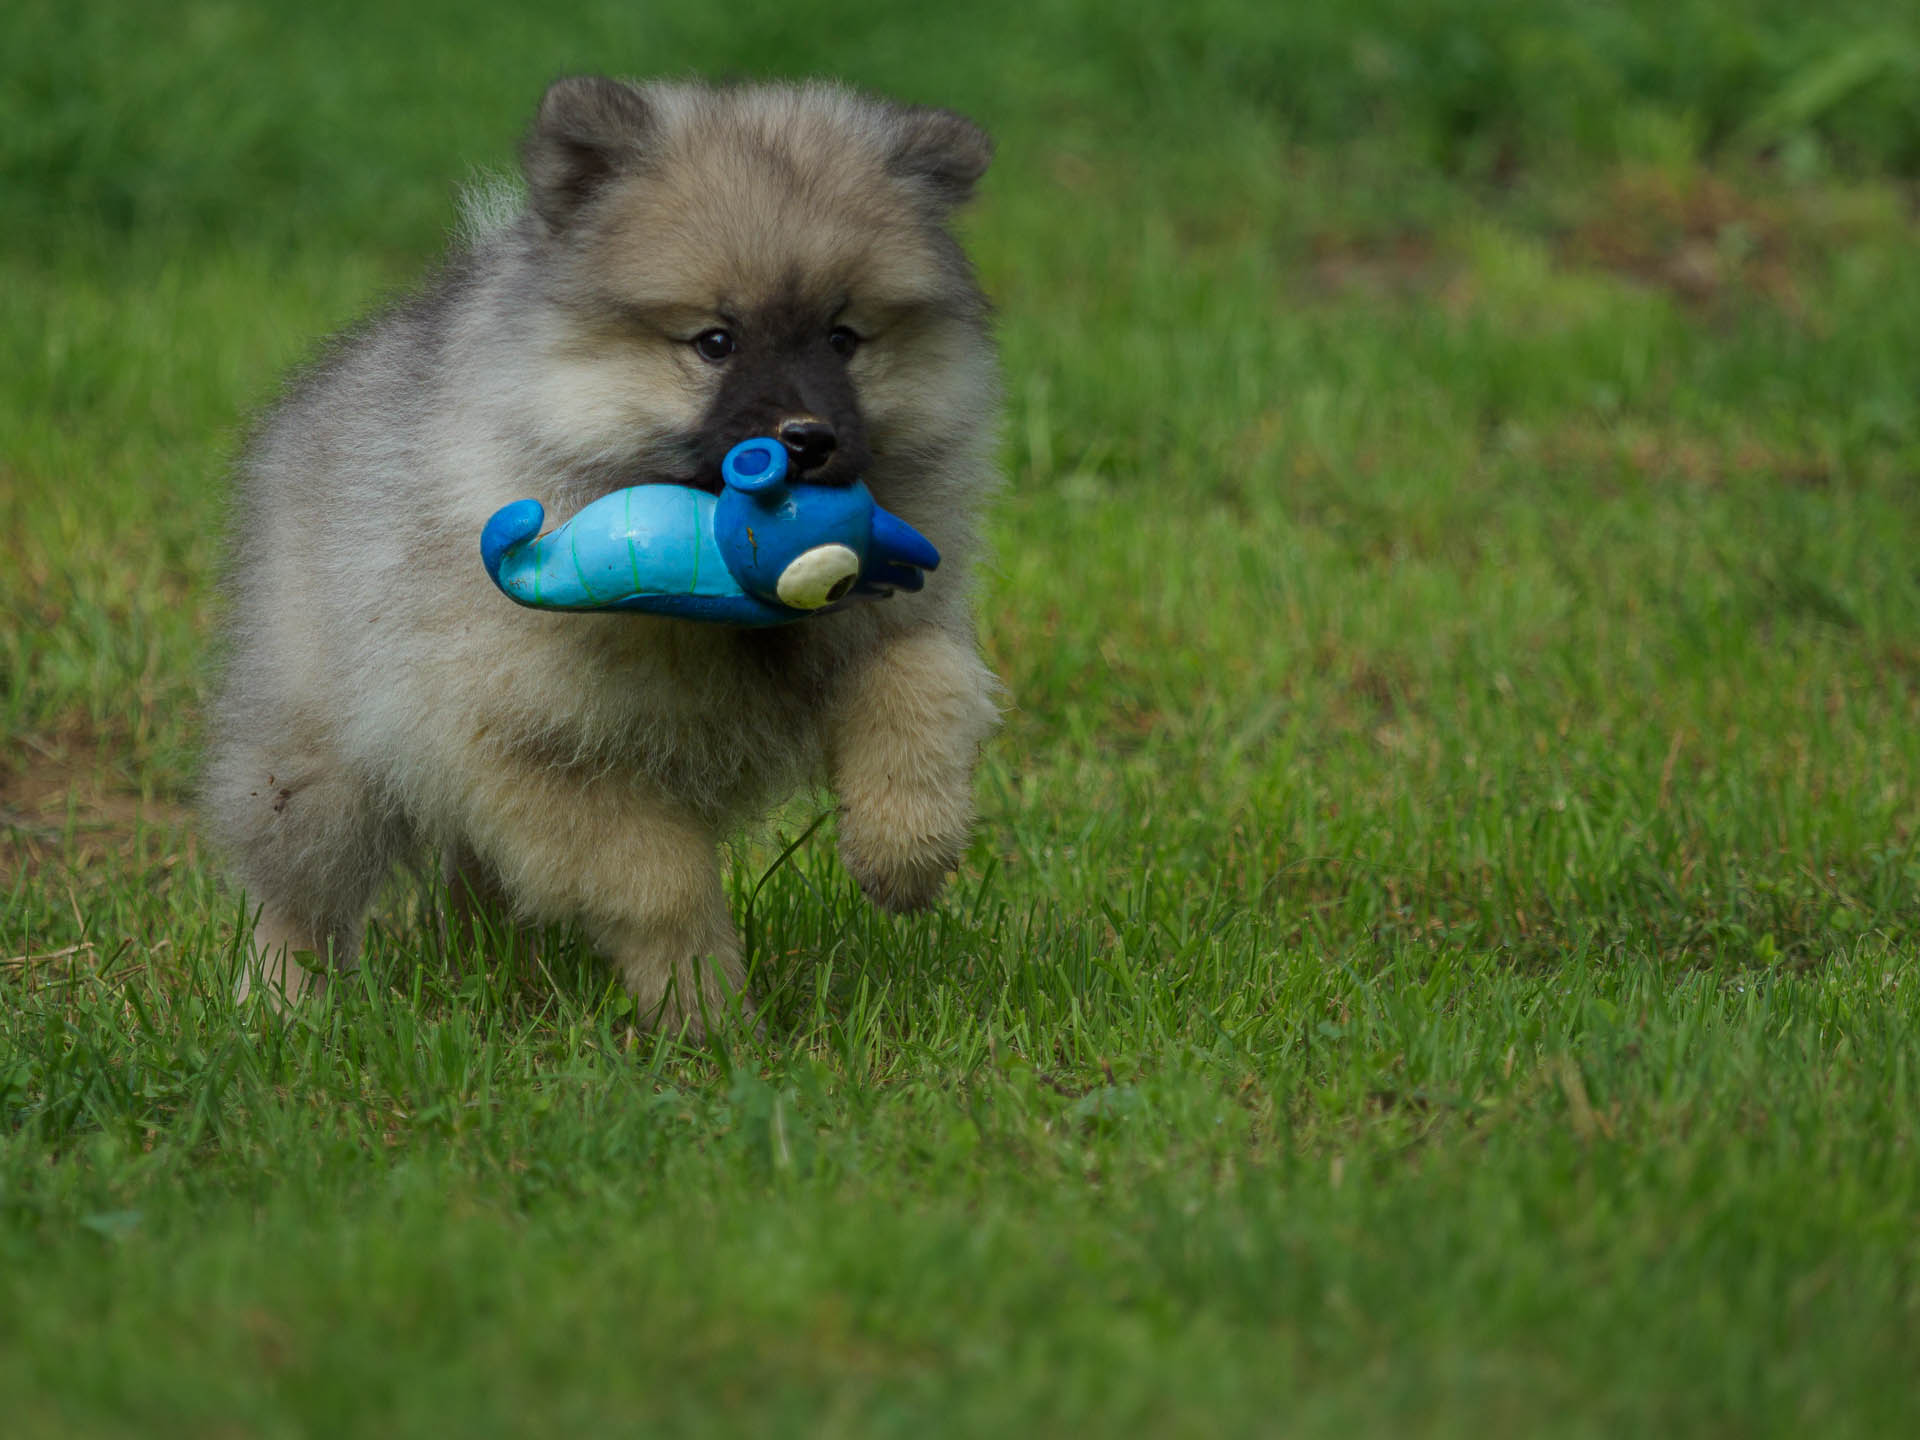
766, 551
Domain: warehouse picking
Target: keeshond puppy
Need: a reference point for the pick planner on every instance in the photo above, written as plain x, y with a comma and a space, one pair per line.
692, 266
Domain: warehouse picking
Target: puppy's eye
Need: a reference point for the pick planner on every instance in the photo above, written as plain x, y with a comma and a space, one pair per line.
713, 346
843, 341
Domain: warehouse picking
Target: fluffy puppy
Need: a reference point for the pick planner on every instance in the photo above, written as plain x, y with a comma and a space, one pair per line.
692, 266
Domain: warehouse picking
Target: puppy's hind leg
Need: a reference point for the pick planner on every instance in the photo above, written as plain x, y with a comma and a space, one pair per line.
310, 846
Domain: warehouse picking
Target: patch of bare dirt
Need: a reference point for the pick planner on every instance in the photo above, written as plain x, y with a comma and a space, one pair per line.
66, 804
1668, 454
1696, 235
1391, 268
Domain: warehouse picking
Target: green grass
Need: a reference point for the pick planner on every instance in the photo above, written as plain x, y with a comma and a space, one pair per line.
1442, 951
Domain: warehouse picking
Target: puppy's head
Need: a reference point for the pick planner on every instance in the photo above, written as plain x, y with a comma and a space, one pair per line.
766, 260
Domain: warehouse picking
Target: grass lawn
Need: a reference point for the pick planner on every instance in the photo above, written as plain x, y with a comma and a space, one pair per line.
1442, 950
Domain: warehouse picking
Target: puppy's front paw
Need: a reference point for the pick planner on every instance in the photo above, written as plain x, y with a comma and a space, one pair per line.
688, 995
695, 1007
903, 868
905, 741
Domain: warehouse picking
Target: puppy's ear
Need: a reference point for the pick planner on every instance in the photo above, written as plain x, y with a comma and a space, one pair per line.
943, 153
589, 129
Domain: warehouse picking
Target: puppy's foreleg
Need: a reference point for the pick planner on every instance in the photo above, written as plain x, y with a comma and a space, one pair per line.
642, 876
904, 738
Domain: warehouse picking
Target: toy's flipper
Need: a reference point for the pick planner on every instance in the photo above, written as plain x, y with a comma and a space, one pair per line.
510, 526
883, 580
897, 543
898, 557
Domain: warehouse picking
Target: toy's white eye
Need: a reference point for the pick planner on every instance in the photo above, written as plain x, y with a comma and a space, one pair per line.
818, 577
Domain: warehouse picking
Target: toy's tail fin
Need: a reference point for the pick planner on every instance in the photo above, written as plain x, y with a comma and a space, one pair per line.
510, 526
897, 543
898, 556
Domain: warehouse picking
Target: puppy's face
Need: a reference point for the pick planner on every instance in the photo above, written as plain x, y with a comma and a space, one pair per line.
725, 264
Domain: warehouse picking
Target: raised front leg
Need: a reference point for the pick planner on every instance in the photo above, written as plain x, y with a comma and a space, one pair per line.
904, 738
642, 876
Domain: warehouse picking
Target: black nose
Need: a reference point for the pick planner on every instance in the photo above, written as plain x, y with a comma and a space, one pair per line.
809, 442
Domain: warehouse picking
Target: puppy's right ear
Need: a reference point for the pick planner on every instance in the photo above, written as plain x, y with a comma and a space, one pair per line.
589, 130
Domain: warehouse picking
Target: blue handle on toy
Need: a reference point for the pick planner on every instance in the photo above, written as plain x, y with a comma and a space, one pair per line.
755, 465
766, 551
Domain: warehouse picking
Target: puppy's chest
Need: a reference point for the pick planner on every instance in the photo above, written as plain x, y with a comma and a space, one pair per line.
718, 724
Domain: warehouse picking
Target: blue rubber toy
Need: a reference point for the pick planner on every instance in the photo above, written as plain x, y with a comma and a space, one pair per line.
766, 551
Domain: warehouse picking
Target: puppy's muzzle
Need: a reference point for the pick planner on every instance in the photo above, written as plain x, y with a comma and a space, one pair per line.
809, 442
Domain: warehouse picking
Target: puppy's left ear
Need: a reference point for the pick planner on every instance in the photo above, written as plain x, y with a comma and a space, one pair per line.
943, 153
589, 130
